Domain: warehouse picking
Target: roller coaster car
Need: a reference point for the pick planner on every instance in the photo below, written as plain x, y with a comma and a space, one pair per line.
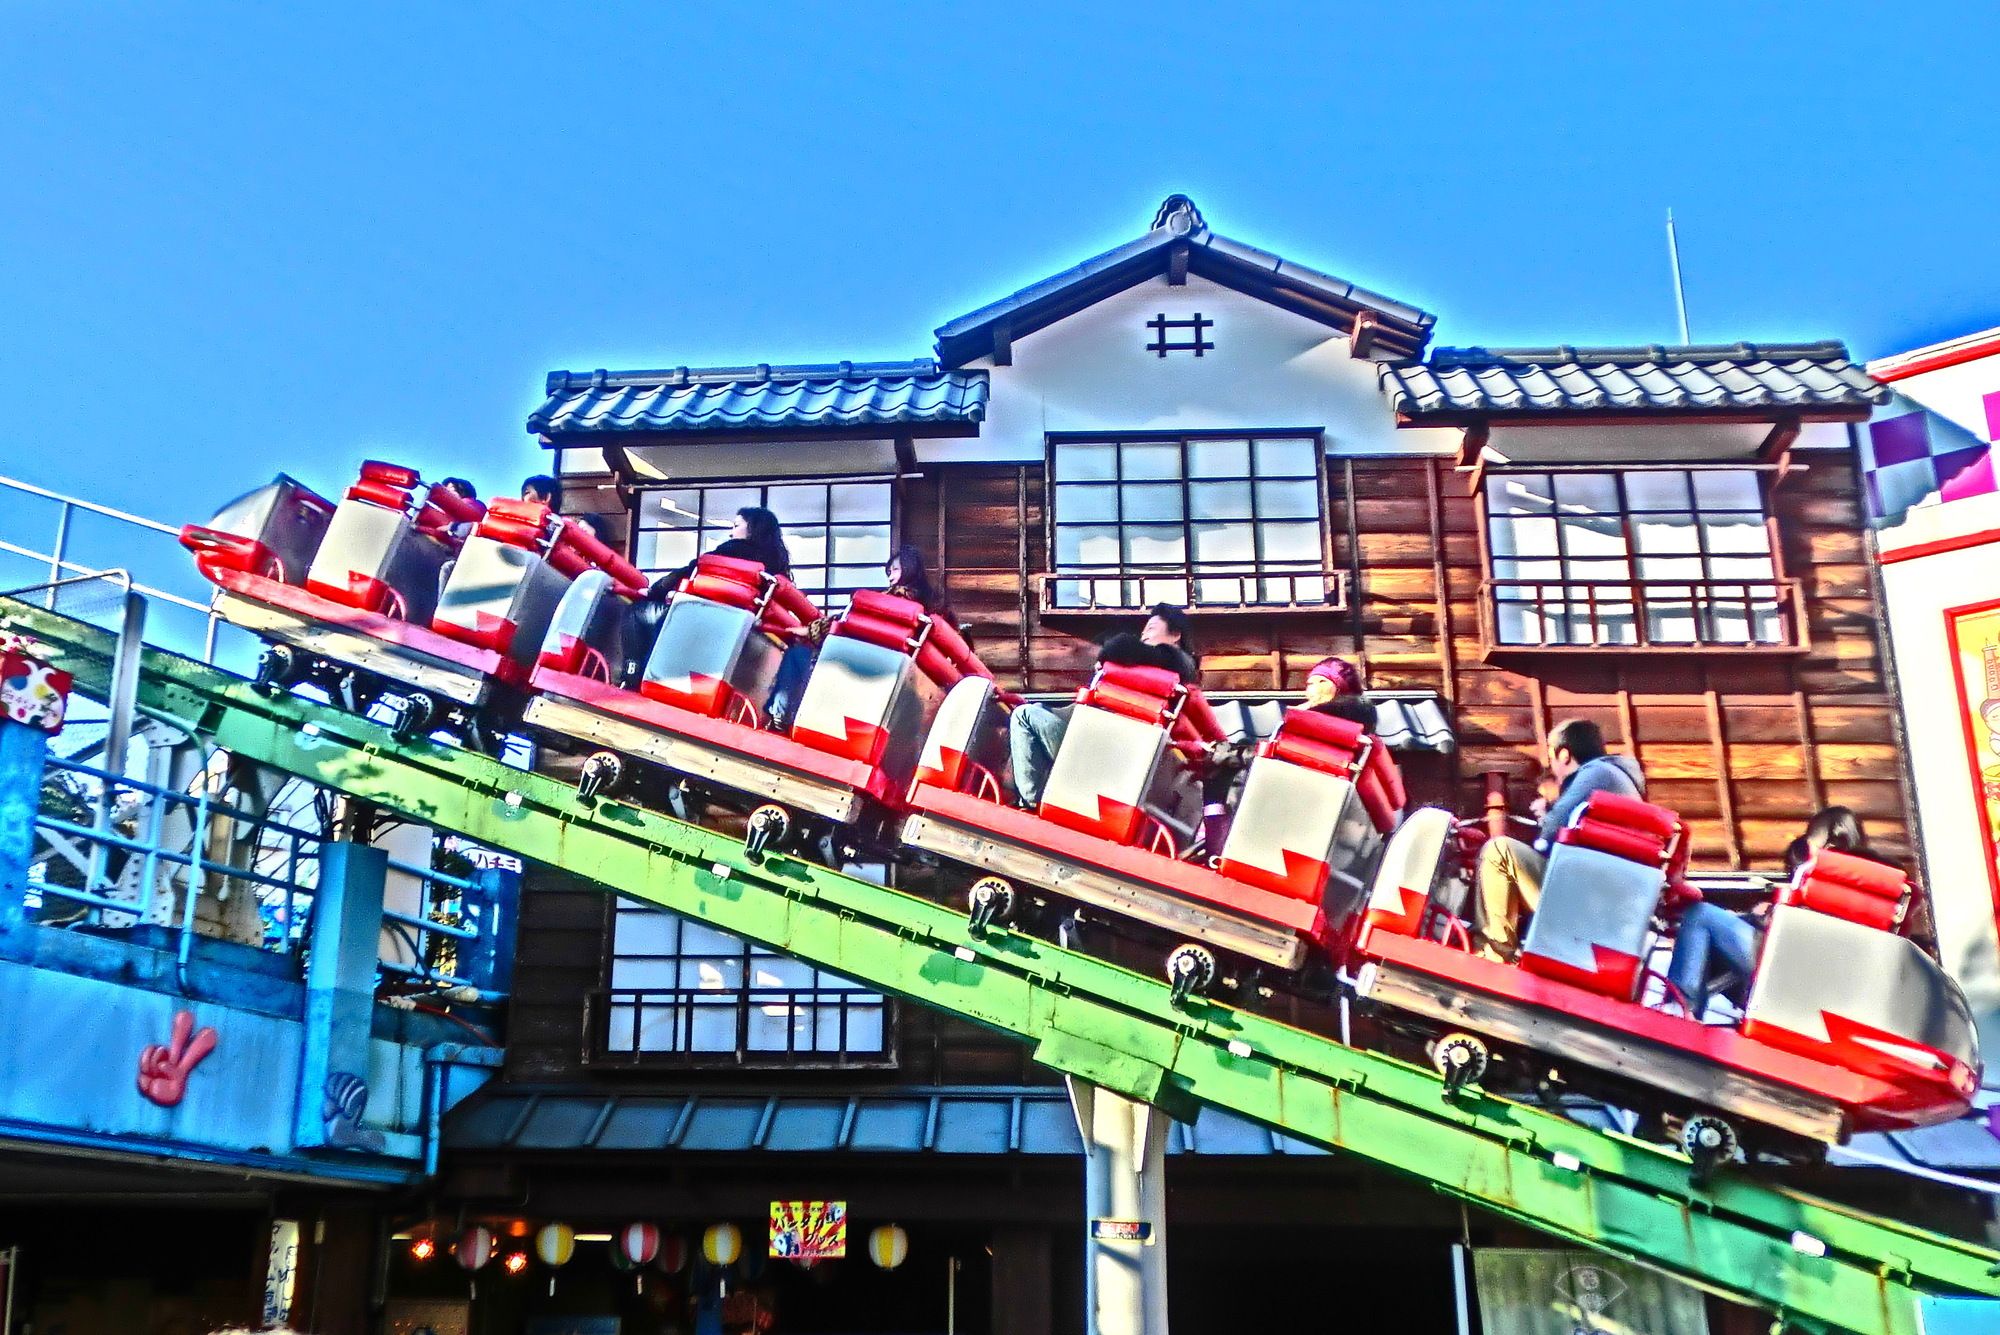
1849, 1025
1122, 806
700, 699
381, 591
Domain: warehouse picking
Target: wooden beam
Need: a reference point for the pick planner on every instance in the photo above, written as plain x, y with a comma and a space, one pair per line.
1777, 446
1355, 596
1472, 444
1361, 338
1725, 794
1177, 266
1808, 747
1003, 344
1021, 552
1447, 648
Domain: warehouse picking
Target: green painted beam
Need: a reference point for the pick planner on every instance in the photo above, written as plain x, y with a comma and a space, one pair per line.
1746, 1240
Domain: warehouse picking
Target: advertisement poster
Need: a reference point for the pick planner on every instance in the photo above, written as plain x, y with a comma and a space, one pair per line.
281, 1273
1975, 661
1525, 1292
809, 1230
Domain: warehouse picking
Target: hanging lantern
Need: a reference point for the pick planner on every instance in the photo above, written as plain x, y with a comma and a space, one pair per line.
721, 1244
888, 1246
673, 1254
637, 1243
475, 1247
634, 1245
555, 1244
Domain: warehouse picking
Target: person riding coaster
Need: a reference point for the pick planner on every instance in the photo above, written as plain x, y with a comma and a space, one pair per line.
1118, 824
693, 711
1884, 1042
412, 593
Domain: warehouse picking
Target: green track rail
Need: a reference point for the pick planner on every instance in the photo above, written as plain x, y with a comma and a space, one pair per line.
1748, 1241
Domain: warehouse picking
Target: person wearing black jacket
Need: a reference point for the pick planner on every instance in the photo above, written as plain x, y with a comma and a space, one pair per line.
1035, 731
755, 537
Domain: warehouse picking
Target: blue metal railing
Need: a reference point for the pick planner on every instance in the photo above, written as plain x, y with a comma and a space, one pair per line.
169, 831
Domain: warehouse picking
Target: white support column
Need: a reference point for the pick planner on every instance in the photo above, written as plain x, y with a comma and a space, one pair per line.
1125, 1211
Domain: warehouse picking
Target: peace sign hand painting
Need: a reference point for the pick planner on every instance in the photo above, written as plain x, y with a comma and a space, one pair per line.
164, 1070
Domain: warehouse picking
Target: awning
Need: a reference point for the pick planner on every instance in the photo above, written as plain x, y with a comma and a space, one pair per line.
914, 1120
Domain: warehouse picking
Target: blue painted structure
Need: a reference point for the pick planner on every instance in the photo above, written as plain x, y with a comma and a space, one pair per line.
309, 1077
839, 394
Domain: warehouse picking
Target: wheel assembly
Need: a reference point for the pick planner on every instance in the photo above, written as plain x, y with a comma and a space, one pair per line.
277, 668
1709, 1142
414, 717
769, 827
1191, 971
1462, 1060
600, 774
991, 900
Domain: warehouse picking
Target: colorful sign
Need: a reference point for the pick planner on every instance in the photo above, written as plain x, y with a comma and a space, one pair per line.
1974, 633
32, 692
809, 1230
1121, 1230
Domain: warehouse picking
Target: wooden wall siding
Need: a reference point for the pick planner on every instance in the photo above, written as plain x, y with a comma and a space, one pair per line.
1746, 747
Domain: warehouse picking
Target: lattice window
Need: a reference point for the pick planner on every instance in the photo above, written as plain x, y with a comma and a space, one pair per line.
838, 532
1203, 521
680, 991
1180, 335
1655, 557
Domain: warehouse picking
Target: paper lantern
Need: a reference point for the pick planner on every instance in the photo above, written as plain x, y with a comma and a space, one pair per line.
555, 1244
637, 1243
888, 1246
721, 1244
475, 1247
673, 1255
619, 1260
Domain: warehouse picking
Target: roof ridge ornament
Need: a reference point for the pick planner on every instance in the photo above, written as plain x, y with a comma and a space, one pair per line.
1178, 214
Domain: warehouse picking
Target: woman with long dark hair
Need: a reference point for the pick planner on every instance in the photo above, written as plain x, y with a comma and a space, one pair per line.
754, 537
905, 577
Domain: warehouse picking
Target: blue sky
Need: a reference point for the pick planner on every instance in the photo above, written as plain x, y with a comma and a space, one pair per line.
240, 238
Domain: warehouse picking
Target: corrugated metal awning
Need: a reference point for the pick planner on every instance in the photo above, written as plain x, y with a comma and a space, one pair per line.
956, 1120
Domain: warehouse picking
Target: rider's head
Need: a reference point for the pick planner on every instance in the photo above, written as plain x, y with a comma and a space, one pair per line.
1573, 744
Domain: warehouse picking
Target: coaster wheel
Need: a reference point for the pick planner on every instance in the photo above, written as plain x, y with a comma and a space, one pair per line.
1462, 1060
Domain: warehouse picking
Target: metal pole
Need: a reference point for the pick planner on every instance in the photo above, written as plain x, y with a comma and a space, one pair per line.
123, 701
1680, 293
1458, 1251
951, 1298
1125, 1211
56, 557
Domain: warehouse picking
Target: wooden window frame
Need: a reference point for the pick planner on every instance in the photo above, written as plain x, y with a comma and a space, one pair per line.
602, 1003
834, 596
1333, 580
1785, 593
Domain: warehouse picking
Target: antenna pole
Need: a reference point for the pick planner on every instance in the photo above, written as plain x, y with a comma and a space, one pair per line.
1680, 293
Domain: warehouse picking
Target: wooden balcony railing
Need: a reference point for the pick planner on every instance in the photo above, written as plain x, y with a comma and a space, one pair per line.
1660, 615
1203, 587
740, 1027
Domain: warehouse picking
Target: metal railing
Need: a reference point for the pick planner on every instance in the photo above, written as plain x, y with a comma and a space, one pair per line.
64, 574
1643, 614
753, 1026
1202, 586
118, 856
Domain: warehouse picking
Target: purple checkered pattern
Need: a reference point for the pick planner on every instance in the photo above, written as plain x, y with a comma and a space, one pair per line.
1909, 458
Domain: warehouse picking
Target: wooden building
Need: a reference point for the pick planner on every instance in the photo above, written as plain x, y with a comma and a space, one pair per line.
1666, 540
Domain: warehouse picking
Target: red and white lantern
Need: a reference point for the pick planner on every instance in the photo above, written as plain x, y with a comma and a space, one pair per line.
638, 1243
475, 1247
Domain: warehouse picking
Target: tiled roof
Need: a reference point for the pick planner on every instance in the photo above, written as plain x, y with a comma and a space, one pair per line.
981, 1120
1461, 382
1179, 226
760, 398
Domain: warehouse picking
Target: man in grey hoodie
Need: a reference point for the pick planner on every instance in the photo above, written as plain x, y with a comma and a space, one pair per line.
1510, 872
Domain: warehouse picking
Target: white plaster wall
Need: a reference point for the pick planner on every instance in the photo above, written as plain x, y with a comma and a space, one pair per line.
1918, 591
1269, 369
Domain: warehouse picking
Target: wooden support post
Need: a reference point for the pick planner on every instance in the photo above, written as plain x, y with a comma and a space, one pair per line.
1725, 793
1496, 803
1021, 557
1447, 649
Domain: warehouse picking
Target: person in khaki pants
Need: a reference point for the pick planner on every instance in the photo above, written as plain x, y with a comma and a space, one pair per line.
1510, 871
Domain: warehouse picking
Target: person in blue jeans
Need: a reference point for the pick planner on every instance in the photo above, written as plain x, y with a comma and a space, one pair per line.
1035, 731
1711, 939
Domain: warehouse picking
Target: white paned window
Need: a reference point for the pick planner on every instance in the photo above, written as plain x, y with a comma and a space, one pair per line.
838, 532
1201, 521
1666, 557
680, 991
